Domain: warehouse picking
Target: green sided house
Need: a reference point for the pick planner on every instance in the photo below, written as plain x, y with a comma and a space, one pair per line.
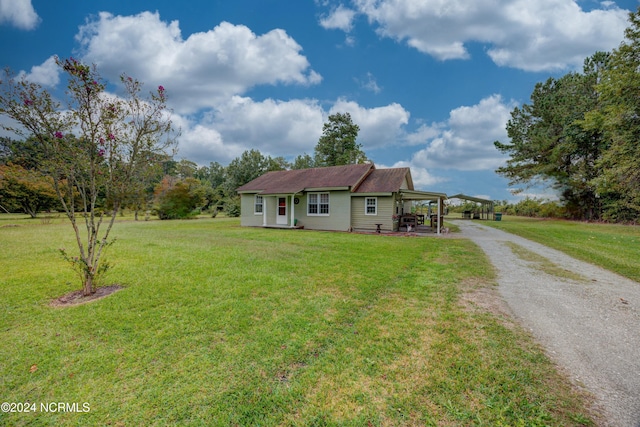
341, 198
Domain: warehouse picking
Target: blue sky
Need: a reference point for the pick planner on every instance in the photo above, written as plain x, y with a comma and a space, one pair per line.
431, 83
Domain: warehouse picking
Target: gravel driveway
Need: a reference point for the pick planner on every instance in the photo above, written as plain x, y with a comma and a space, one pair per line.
589, 326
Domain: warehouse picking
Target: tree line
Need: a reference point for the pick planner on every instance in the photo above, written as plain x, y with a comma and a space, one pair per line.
580, 134
169, 188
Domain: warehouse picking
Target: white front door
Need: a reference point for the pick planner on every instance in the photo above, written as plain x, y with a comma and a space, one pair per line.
281, 215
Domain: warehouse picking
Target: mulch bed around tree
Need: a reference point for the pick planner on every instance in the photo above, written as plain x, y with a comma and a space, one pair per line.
76, 297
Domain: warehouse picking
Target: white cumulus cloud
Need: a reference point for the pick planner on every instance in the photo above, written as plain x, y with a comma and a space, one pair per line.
340, 18
204, 144
46, 74
465, 140
422, 178
198, 71
206, 75
541, 35
19, 13
277, 128
379, 126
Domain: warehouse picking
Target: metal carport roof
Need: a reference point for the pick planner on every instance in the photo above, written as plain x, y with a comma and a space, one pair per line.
421, 195
471, 198
487, 205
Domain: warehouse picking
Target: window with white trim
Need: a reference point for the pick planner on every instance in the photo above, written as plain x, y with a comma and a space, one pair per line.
258, 205
371, 206
318, 204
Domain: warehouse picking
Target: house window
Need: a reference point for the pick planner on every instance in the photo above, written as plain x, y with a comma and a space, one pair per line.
258, 205
371, 206
318, 204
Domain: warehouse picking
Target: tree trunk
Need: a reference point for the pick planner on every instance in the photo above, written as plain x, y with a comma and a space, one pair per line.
29, 210
87, 284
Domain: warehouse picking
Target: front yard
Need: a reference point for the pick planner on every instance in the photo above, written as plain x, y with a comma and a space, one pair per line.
223, 325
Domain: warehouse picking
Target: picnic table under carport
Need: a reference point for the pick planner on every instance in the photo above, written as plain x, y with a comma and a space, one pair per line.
426, 196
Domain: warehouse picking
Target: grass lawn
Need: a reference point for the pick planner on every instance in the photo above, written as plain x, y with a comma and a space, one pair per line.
611, 246
230, 326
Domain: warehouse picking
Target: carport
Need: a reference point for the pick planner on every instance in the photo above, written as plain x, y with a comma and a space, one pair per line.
484, 207
436, 199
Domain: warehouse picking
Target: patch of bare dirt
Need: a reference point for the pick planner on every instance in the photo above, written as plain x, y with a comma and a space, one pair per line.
487, 300
484, 297
76, 297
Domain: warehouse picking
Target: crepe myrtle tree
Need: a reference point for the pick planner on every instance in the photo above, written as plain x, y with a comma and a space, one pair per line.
95, 148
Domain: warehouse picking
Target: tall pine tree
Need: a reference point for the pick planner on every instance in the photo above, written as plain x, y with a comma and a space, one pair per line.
337, 145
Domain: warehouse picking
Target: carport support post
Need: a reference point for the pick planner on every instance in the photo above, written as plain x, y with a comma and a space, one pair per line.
438, 218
